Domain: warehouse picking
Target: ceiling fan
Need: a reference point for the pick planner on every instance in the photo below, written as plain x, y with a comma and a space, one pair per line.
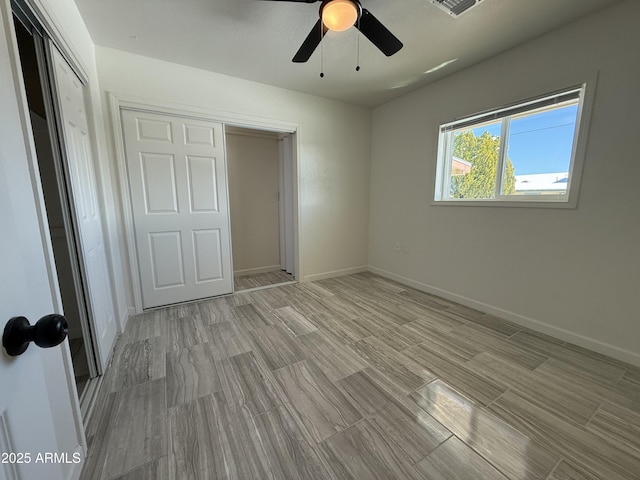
339, 15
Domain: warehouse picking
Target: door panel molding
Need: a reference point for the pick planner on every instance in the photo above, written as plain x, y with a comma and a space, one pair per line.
211, 270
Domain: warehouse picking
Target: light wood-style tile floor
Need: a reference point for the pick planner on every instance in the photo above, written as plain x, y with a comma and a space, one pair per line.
357, 378
256, 280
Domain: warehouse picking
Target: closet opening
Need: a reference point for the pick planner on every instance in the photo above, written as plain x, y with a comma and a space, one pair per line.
260, 167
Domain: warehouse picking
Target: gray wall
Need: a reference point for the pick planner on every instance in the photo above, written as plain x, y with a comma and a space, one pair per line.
572, 273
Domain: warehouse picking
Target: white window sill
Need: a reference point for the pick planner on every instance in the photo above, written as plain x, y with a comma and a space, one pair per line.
505, 203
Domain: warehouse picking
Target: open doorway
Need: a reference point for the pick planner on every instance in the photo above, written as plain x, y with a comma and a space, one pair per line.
57, 200
260, 173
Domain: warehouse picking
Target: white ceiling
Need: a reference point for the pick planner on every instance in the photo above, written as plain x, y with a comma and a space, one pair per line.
256, 39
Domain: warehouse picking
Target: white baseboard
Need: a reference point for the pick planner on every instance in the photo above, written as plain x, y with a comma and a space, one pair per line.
537, 325
334, 273
252, 271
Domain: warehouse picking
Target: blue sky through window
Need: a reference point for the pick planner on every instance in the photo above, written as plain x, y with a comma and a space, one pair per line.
539, 143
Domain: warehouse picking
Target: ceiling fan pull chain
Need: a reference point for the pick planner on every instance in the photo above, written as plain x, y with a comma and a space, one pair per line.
358, 46
321, 51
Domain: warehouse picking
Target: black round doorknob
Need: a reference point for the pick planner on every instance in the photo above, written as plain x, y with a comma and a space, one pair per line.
49, 331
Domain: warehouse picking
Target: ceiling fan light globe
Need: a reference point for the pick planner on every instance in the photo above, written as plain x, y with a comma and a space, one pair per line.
339, 15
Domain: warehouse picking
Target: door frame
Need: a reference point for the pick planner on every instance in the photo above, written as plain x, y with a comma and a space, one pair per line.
45, 46
36, 187
286, 170
132, 102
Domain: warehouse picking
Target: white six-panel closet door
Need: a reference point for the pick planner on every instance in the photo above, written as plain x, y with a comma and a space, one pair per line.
178, 184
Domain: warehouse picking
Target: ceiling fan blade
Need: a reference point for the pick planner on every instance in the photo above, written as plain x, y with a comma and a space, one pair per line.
310, 43
378, 34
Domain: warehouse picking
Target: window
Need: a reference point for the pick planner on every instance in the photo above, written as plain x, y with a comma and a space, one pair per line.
520, 154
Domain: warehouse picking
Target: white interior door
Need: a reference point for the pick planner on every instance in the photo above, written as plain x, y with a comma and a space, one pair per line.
36, 408
70, 96
179, 196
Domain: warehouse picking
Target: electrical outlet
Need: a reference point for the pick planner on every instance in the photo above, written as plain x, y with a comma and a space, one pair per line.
396, 247
405, 248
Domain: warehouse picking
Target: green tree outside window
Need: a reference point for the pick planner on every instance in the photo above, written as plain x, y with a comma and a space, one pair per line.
482, 153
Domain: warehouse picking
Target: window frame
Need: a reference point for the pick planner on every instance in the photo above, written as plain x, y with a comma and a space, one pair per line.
585, 94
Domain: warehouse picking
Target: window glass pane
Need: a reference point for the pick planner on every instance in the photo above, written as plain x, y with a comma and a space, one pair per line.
539, 151
474, 159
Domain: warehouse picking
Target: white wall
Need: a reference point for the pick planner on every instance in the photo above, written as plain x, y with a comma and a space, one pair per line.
571, 273
252, 166
333, 147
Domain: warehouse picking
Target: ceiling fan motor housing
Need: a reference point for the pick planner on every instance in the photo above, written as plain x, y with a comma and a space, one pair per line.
355, 3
